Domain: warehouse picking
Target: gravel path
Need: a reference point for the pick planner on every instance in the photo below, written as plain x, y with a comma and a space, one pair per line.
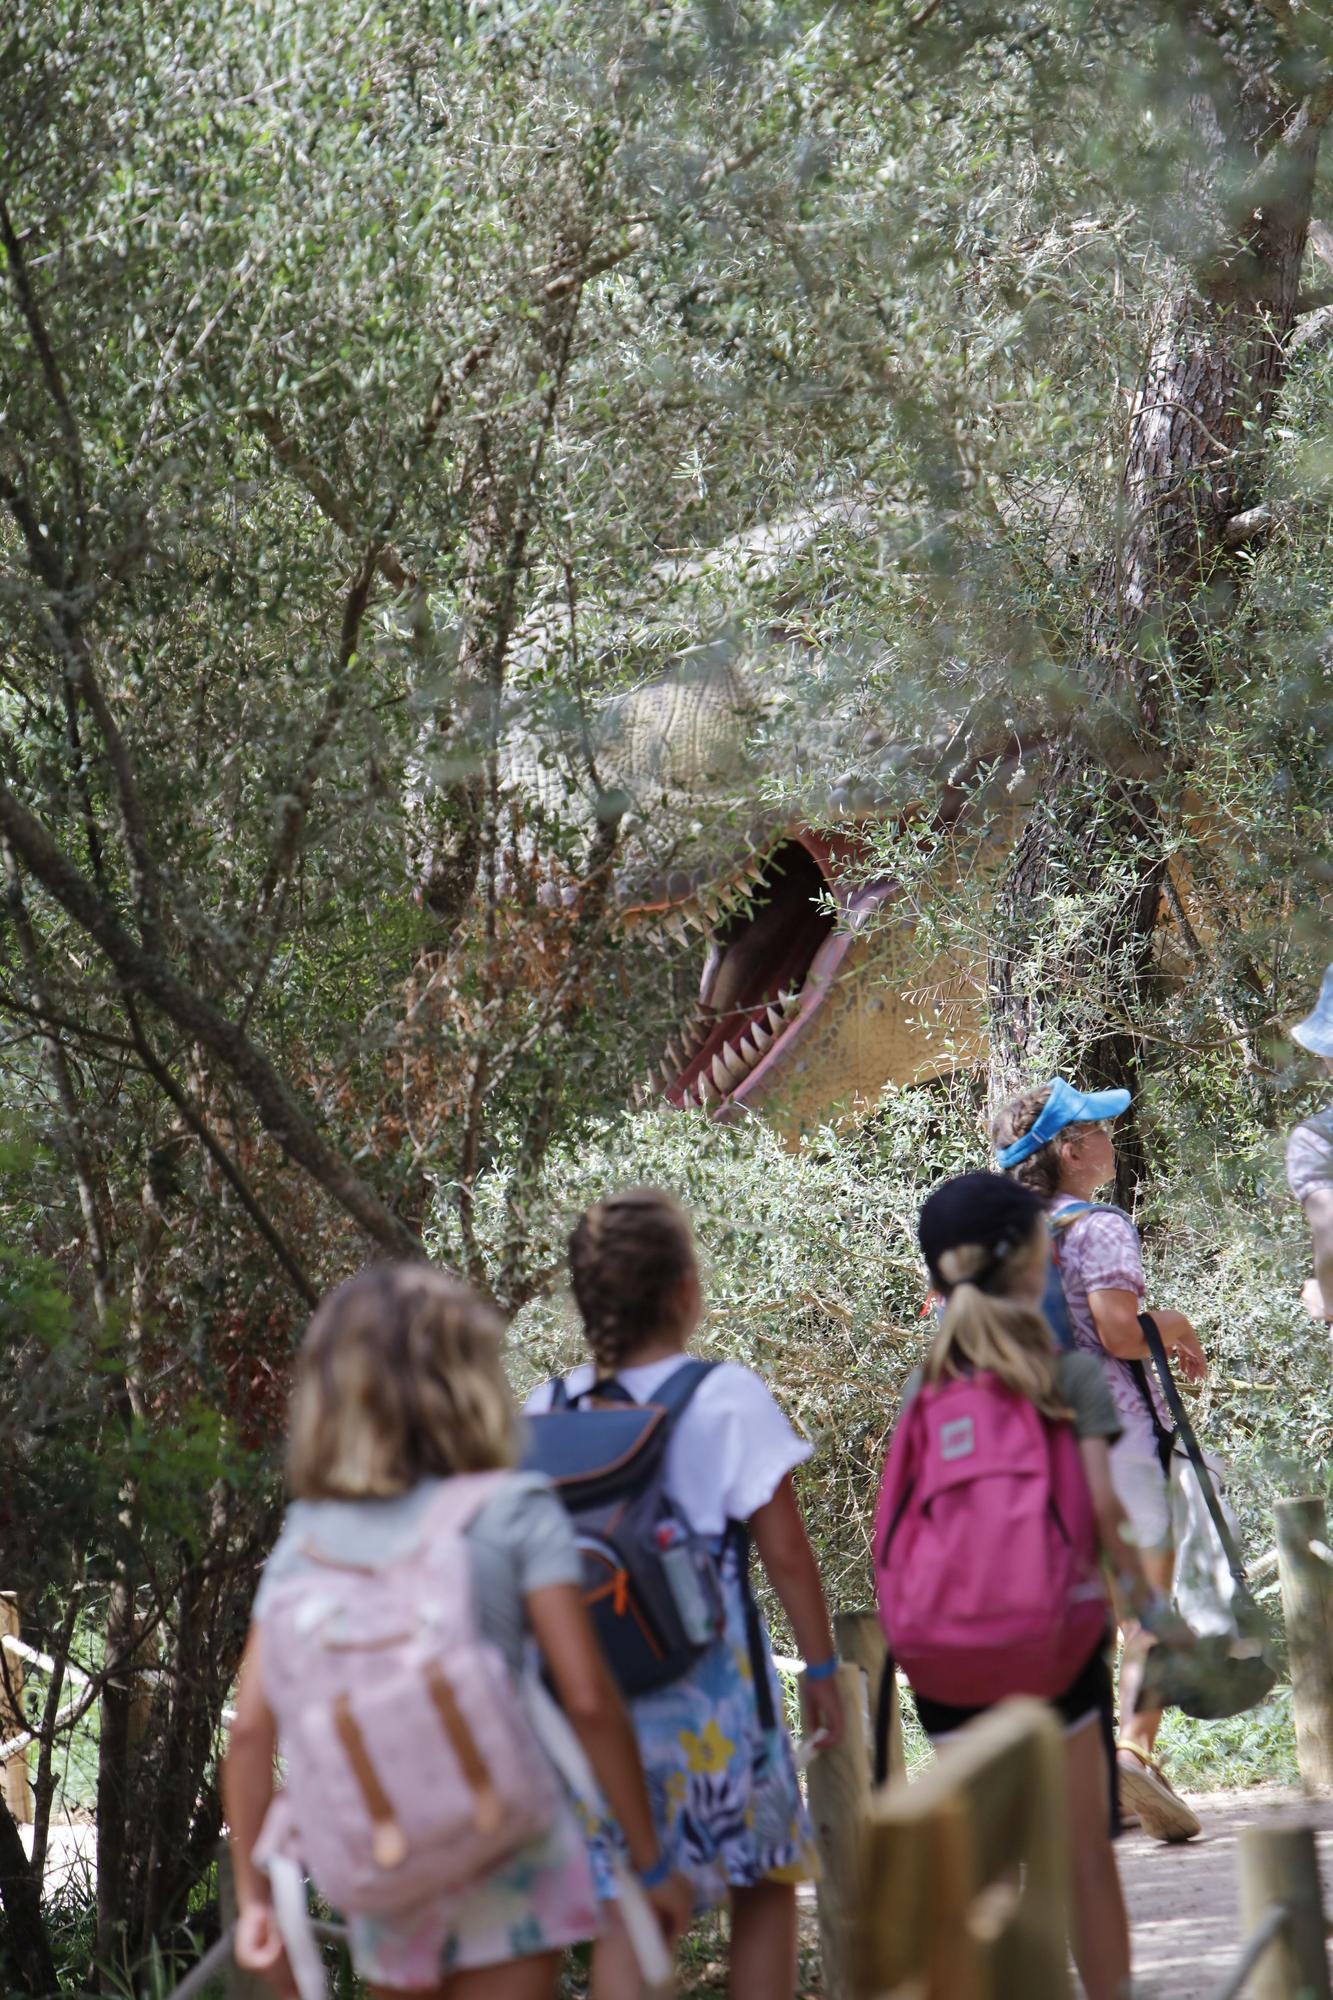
1184, 1902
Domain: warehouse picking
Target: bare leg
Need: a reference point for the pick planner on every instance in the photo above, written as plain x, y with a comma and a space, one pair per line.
763, 1942
615, 1970
1101, 1930
1140, 1726
517, 1979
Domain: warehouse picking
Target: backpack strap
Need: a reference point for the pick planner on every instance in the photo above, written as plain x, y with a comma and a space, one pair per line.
884, 1718
1075, 1211
559, 1393
461, 1498
677, 1392
738, 1537
1185, 1430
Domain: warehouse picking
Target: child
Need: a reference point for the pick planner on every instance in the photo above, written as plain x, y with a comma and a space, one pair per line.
986, 1244
721, 1775
399, 1386
1057, 1141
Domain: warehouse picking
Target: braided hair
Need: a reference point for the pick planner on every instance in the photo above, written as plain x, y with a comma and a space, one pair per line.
1040, 1171
627, 1256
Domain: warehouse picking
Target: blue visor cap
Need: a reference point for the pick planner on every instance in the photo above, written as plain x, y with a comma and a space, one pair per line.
1064, 1106
1315, 1032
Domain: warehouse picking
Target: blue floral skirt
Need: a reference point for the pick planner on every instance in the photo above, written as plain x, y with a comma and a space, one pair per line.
724, 1790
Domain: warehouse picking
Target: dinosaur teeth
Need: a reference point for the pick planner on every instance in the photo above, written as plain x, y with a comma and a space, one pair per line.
734, 1065
721, 1076
708, 1092
669, 1071
760, 1036
748, 1052
675, 924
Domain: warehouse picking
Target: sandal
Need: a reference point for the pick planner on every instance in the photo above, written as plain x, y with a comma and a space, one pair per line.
1146, 1790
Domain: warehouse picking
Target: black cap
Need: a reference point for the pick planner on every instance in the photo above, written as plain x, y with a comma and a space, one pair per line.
989, 1209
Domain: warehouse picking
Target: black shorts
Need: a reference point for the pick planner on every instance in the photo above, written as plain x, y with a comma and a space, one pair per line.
1089, 1693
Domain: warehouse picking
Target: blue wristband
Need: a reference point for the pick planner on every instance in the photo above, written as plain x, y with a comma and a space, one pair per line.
823, 1670
654, 1877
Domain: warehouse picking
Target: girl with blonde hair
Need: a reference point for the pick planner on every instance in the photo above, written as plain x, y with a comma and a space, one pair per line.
400, 1390
986, 1244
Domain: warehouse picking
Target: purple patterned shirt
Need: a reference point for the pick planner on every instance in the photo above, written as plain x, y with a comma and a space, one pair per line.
1101, 1253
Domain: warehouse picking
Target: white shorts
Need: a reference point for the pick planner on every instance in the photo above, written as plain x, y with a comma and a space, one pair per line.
1141, 1487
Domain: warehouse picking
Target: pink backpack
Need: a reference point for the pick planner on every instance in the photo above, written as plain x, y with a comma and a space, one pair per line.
412, 1766
986, 1547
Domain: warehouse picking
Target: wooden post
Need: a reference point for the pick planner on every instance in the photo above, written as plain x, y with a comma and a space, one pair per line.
1280, 1864
860, 1641
965, 1874
839, 1788
14, 1772
237, 1984
1307, 1607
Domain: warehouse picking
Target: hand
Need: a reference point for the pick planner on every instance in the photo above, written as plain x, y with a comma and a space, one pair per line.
1179, 1335
259, 1948
1312, 1298
821, 1710
672, 1903
1166, 1625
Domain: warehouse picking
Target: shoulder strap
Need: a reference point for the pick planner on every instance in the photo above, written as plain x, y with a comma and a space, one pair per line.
675, 1394
738, 1534
1076, 1210
559, 1394
1185, 1430
884, 1719
461, 1498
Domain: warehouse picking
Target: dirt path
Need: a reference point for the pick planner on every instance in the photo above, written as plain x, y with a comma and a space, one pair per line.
1184, 1903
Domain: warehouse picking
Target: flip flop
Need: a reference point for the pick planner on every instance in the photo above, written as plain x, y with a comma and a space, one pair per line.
1147, 1791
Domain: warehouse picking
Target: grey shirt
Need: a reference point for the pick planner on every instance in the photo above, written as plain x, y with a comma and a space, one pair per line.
1081, 1380
1310, 1155
520, 1541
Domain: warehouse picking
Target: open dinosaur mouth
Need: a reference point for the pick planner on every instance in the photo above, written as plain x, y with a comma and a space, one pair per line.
776, 933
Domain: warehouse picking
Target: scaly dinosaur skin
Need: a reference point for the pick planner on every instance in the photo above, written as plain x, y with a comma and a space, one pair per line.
814, 992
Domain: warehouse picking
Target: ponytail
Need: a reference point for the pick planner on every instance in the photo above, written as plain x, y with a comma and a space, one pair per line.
985, 1329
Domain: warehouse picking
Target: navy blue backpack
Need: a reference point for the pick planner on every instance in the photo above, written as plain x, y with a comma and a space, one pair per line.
651, 1584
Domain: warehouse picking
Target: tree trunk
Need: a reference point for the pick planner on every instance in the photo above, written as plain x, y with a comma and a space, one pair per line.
1072, 952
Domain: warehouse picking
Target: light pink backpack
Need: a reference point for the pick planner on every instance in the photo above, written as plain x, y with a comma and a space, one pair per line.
412, 1766
986, 1547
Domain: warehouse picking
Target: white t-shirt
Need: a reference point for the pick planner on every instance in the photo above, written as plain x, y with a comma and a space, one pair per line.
730, 1451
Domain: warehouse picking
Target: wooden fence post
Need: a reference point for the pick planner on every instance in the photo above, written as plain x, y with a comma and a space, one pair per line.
237, 1984
860, 1641
965, 1873
1307, 1608
1280, 1864
14, 1771
839, 1788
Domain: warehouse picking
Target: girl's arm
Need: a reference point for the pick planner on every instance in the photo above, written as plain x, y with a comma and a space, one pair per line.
784, 1549
247, 1792
1115, 1314
592, 1703
247, 1775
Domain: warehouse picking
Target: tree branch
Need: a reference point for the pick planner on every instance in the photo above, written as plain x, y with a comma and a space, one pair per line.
325, 496
223, 1160
279, 1110
18, 271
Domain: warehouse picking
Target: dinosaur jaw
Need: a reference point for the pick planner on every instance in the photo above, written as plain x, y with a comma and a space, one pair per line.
774, 958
